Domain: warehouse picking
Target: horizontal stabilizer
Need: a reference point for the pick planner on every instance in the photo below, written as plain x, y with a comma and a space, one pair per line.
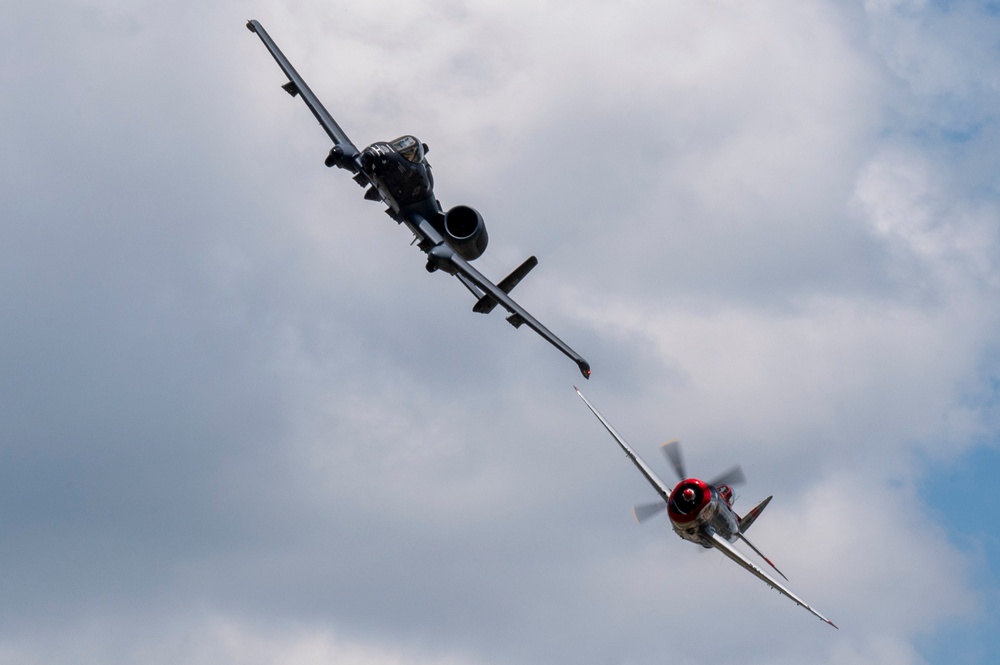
761, 555
486, 304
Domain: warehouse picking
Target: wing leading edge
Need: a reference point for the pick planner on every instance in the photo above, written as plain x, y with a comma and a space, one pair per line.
449, 260
346, 155
297, 86
721, 544
654, 480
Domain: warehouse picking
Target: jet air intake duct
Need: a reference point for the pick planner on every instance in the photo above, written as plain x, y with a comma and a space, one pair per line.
466, 231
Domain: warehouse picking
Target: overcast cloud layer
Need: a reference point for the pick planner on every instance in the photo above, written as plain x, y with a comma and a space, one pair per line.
241, 424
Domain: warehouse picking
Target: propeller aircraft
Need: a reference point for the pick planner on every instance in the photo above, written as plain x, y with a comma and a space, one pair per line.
702, 511
397, 174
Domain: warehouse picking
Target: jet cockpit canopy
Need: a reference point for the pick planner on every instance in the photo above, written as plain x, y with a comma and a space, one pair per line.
409, 147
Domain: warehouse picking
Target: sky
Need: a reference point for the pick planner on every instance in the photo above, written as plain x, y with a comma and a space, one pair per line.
239, 423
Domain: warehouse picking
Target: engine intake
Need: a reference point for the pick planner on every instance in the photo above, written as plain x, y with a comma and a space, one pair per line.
466, 231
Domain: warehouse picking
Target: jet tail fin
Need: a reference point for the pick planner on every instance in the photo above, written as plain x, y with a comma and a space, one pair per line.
752, 516
486, 303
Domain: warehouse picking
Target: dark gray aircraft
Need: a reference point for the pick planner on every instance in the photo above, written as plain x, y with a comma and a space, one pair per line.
397, 174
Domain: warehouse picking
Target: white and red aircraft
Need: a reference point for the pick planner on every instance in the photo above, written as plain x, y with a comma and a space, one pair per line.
701, 511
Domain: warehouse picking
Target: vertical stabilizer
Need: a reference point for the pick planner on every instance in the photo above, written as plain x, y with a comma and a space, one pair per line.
752, 516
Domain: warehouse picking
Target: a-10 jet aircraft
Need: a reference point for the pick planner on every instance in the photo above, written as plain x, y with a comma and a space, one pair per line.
397, 174
701, 511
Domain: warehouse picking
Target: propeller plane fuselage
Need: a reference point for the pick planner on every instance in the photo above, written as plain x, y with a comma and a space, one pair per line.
695, 507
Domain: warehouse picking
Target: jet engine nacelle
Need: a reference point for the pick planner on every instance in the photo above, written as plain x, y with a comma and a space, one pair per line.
466, 231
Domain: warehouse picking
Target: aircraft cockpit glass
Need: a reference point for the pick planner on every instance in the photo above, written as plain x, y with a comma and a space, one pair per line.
410, 148
727, 493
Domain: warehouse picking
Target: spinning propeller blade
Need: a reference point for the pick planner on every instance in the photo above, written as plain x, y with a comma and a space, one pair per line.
672, 449
645, 511
733, 476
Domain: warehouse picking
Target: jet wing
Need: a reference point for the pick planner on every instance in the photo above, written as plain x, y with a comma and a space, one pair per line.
347, 154
660, 487
721, 544
446, 258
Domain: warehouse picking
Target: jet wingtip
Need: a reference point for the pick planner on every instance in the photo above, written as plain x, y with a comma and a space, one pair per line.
584, 369
250, 25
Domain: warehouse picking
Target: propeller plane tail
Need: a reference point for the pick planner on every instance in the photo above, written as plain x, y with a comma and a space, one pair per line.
752, 516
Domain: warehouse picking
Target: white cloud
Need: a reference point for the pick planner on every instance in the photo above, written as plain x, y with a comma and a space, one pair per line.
212, 639
235, 393
911, 208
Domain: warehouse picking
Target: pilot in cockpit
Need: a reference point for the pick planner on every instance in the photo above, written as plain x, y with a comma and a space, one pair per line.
726, 492
410, 148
